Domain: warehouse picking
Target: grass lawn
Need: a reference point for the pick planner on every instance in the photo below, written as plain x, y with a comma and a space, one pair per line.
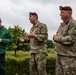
50, 52
18, 53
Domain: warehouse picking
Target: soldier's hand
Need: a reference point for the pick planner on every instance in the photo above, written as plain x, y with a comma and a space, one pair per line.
0, 40
22, 39
31, 35
55, 37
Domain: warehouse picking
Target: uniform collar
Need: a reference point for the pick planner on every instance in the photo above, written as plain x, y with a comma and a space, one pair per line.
65, 23
36, 24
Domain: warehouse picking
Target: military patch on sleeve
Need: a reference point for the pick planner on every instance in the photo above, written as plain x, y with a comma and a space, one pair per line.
74, 29
45, 30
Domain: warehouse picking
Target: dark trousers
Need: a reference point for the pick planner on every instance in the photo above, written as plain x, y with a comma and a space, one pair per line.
2, 64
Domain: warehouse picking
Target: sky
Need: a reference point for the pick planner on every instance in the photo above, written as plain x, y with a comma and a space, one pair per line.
16, 12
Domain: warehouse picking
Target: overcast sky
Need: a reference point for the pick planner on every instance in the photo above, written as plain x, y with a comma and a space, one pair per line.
16, 12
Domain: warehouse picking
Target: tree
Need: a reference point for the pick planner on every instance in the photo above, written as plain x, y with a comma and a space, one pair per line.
50, 44
16, 32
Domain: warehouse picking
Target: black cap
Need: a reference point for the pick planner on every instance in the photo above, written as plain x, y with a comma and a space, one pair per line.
65, 8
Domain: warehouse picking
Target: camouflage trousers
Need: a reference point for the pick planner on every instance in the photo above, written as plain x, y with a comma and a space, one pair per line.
38, 64
65, 65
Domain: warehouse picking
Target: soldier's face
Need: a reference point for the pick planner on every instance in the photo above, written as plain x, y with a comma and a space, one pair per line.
32, 18
64, 14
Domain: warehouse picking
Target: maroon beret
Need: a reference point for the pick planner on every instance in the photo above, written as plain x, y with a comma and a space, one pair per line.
33, 13
65, 8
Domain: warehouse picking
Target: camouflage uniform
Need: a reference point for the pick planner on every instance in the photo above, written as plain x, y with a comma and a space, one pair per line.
38, 49
66, 49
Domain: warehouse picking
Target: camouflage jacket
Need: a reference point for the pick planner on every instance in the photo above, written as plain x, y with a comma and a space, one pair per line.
67, 38
38, 44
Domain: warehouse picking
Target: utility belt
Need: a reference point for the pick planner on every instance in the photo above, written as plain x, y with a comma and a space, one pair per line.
72, 44
33, 53
66, 55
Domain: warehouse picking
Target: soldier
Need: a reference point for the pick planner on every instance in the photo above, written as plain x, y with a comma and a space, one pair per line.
38, 36
65, 41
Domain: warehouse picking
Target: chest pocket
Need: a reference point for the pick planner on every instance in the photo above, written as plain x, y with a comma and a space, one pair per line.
65, 30
36, 30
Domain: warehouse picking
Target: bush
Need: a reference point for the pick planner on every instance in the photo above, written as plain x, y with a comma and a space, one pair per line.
21, 65
50, 65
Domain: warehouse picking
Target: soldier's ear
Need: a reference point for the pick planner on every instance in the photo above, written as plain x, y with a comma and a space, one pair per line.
0, 20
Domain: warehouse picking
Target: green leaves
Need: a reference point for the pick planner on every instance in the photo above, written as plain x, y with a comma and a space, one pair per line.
16, 33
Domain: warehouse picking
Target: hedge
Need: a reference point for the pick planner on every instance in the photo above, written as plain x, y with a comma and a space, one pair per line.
20, 65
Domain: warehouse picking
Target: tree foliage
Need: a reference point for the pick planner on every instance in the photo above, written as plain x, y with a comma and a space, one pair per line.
50, 44
16, 32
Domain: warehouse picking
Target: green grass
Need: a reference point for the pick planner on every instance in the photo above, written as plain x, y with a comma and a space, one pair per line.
20, 53
51, 52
